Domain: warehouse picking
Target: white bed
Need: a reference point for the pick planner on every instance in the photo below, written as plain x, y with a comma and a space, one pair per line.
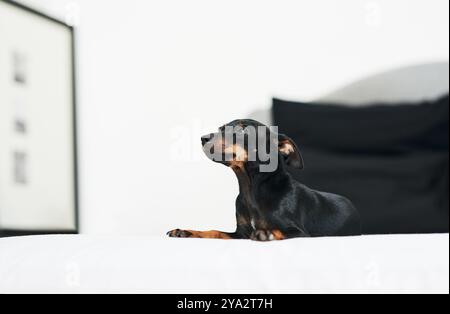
85, 264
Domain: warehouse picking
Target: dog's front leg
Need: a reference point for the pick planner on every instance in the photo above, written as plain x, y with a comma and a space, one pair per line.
202, 234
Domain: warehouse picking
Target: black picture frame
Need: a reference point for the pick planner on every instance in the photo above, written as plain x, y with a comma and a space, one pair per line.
13, 233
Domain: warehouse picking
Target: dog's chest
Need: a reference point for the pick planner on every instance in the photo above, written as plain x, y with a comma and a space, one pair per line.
253, 224
257, 222
253, 216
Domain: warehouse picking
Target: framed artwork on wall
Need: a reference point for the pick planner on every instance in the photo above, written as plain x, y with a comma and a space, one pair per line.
38, 151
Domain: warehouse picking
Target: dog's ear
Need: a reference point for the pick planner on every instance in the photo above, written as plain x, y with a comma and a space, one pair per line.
289, 150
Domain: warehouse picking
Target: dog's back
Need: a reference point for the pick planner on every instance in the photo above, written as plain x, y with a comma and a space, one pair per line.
326, 214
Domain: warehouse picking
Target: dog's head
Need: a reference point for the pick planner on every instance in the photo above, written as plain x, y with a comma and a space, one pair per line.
243, 142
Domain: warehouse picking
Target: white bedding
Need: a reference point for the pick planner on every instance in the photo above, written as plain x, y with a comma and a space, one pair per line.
80, 264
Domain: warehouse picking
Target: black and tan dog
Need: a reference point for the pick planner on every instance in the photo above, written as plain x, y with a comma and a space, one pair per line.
272, 205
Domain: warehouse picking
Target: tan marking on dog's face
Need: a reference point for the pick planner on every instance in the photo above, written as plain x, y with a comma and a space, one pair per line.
240, 154
218, 142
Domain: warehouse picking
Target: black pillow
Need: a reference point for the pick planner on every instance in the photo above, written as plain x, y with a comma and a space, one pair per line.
392, 161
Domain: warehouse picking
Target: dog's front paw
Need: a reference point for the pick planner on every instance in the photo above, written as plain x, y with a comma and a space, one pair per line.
266, 235
262, 236
179, 234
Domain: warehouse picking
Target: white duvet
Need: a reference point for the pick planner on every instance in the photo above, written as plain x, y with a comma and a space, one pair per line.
85, 264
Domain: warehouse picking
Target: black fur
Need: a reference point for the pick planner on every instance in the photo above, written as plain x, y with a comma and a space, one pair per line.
275, 206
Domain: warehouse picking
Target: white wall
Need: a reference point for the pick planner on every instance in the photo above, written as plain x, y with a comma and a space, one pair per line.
45, 66
147, 68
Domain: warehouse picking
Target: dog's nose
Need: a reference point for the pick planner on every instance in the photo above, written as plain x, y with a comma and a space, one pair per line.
206, 139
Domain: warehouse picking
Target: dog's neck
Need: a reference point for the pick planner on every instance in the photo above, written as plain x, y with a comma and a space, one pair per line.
251, 178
